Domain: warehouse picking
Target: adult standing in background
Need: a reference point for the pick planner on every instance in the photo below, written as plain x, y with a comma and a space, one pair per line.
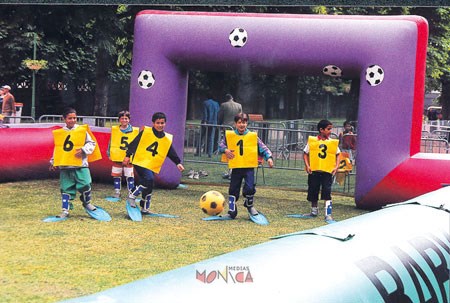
228, 110
210, 115
9, 103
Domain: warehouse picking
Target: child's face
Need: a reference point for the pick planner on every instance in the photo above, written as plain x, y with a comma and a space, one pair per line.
326, 132
70, 120
347, 127
124, 121
241, 125
159, 124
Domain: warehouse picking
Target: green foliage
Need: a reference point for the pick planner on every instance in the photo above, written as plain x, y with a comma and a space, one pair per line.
93, 44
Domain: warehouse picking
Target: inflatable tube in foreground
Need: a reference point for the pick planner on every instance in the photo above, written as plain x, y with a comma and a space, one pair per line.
397, 254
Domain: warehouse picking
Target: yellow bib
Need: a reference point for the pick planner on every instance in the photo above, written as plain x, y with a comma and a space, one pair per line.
152, 151
322, 154
68, 141
345, 165
120, 142
245, 149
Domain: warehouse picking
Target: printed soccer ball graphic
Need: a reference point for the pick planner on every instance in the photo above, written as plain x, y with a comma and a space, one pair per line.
146, 79
212, 203
332, 71
238, 37
374, 75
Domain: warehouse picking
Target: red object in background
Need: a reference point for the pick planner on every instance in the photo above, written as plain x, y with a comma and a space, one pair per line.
26, 152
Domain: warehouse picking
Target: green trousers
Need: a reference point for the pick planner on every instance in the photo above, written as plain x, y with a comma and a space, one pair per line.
73, 180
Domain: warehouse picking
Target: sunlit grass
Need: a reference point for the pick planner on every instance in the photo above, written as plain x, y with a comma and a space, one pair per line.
47, 262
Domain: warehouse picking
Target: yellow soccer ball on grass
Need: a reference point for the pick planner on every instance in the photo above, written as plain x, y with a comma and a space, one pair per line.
212, 203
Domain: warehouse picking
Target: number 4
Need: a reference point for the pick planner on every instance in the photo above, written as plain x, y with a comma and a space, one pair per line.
153, 148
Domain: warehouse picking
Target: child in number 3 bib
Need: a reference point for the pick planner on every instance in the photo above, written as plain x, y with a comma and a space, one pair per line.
321, 157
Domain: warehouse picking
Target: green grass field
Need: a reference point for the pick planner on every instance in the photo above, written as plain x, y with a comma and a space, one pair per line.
48, 262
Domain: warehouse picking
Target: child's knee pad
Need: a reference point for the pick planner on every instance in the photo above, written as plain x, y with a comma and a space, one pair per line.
248, 201
130, 183
232, 209
86, 197
117, 183
65, 201
136, 191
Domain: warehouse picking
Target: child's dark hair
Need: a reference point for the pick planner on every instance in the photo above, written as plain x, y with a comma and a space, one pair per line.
67, 111
159, 115
123, 113
346, 122
323, 124
241, 116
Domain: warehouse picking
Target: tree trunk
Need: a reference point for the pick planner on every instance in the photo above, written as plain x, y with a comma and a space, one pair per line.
352, 111
291, 97
245, 92
101, 84
444, 99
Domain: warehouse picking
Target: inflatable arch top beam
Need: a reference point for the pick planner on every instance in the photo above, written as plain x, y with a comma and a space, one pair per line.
168, 44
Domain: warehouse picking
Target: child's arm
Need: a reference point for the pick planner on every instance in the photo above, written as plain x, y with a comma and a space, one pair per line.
172, 154
87, 149
306, 160
132, 148
223, 149
337, 164
265, 152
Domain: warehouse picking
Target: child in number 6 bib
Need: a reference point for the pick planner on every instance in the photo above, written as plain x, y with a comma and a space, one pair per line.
75, 146
241, 148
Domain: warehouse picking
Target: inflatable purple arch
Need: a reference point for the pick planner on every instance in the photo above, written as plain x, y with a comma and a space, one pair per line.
387, 53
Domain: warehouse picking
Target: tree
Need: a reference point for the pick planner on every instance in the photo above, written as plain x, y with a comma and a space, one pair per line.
438, 60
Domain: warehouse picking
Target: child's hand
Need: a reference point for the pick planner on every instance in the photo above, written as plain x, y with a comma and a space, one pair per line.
270, 162
308, 169
79, 153
126, 161
180, 167
229, 153
334, 171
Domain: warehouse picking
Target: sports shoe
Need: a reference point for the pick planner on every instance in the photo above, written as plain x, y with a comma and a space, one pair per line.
190, 174
329, 219
64, 214
131, 201
252, 211
196, 175
89, 206
146, 211
203, 173
117, 194
314, 211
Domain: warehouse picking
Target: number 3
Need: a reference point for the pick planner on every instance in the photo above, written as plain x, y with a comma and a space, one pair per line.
323, 149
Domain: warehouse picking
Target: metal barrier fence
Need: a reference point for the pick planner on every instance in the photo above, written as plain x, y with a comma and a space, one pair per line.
286, 145
434, 145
